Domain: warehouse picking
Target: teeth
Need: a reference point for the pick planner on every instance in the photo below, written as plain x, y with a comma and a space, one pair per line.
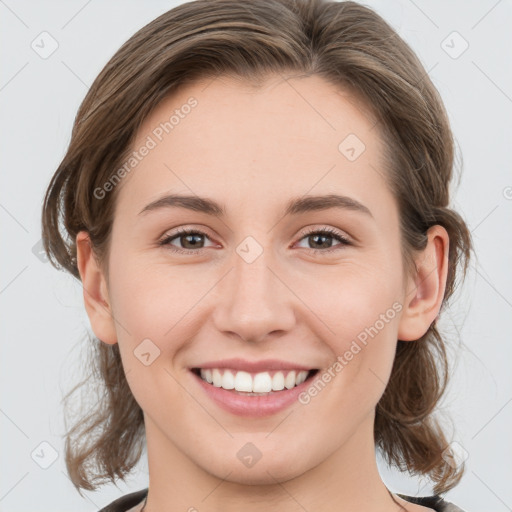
261, 382
278, 381
289, 381
243, 381
228, 381
217, 378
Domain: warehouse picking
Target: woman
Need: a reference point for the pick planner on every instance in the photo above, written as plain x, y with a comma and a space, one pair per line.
256, 201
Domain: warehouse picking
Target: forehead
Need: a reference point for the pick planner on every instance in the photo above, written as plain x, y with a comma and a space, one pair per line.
232, 140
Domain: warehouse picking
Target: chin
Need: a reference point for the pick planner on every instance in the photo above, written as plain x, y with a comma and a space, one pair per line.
266, 471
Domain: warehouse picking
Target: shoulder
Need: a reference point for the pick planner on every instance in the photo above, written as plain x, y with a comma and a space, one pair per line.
126, 502
434, 502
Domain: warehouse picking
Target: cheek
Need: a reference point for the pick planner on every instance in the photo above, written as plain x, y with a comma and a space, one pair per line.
357, 313
350, 298
150, 300
150, 305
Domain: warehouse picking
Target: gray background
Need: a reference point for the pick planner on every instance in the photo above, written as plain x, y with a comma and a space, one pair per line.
43, 322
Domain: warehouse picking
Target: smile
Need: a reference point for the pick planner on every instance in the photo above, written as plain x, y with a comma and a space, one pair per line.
253, 394
261, 383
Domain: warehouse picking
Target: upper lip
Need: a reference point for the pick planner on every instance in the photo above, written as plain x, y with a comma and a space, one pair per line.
254, 366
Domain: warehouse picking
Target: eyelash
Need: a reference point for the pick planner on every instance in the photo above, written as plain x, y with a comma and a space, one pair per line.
183, 232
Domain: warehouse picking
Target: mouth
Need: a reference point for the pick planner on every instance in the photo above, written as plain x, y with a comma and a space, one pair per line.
263, 383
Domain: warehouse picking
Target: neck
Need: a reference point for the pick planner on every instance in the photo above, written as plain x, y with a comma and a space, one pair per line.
347, 480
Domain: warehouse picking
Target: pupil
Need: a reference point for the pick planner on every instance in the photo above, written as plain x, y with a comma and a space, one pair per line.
189, 240
315, 237
187, 237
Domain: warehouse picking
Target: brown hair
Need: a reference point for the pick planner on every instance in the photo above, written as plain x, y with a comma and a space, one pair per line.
348, 45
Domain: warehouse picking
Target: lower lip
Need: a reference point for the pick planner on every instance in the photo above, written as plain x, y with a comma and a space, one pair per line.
253, 405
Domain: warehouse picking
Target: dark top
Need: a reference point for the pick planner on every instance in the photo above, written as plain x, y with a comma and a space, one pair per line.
435, 502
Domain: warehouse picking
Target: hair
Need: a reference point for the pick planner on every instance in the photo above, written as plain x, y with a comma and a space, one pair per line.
348, 45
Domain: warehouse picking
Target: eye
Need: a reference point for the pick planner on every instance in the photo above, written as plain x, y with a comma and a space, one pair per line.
189, 238
321, 238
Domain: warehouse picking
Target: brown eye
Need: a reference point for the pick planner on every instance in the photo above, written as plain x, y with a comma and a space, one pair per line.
321, 240
190, 240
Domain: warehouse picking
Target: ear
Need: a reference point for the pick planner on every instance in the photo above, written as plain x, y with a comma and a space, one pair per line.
94, 290
425, 290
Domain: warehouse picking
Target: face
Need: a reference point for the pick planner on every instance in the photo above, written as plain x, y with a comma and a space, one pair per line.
319, 287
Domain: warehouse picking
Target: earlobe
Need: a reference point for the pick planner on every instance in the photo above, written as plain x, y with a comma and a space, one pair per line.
425, 292
95, 291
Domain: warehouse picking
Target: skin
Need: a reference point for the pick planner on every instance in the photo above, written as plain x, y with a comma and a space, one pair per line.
252, 150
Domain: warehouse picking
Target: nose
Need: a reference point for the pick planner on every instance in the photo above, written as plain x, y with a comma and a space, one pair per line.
254, 300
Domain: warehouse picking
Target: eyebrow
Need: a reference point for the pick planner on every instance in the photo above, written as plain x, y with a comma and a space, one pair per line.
295, 206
